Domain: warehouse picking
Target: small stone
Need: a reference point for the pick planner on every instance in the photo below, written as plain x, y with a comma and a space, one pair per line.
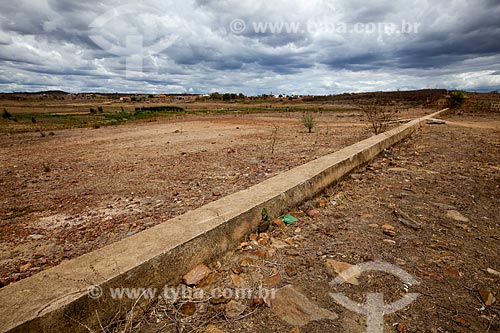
457, 216
335, 267
389, 232
253, 237
295, 330
321, 203
209, 280
272, 281
356, 176
25, 267
313, 213
373, 225
290, 270
298, 231
492, 272
389, 241
216, 193
278, 222
257, 301
278, 244
244, 245
296, 309
401, 328
264, 239
188, 309
487, 297
234, 309
452, 272
35, 236
461, 321
196, 275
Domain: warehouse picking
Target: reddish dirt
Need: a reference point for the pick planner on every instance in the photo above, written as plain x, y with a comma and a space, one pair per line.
79, 190
441, 169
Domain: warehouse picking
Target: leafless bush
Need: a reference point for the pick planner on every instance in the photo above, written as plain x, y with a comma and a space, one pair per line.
379, 116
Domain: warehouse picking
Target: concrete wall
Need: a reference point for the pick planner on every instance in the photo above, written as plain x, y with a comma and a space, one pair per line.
57, 300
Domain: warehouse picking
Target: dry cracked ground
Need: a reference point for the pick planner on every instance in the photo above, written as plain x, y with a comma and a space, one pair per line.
67, 194
429, 206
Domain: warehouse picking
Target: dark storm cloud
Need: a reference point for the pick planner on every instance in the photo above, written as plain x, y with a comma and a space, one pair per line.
48, 43
476, 34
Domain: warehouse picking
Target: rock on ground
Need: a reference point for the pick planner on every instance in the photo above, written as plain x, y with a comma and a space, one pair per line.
296, 309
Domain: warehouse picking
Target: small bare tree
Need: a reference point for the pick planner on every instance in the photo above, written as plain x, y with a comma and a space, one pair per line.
379, 116
308, 121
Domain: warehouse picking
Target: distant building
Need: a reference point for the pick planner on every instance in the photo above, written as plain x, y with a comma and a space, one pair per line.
125, 99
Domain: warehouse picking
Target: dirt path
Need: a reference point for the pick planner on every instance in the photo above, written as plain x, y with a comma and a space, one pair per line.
429, 206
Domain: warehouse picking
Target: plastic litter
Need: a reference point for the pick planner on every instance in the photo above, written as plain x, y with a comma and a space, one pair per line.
289, 219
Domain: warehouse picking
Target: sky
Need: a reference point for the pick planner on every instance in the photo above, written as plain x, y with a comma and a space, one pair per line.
315, 47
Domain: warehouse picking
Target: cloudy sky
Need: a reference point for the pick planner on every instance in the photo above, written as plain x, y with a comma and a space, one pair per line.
249, 46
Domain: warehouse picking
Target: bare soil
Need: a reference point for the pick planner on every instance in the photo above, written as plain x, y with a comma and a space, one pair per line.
441, 170
67, 194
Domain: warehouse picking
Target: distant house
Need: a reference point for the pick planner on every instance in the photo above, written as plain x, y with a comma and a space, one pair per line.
125, 99
161, 96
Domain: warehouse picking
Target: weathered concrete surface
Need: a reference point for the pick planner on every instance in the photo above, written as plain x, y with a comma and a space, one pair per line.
57, 300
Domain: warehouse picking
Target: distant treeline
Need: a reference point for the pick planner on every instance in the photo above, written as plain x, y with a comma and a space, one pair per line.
414, 96
161, 109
